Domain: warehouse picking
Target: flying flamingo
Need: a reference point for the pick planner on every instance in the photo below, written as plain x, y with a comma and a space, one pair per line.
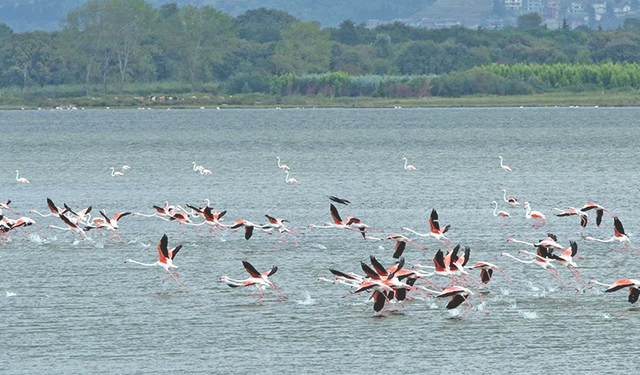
21, 179
550, 242
457, 295
290, 181
435, 230
211, 218
401, 243
114, 173
284, 167
486, 271
537, 216
5, 206
408, 167
259, 280
584, 218
513, 201
633, 285
566, 259
538, 260
339, 200
504, 167
541, 259
618, 235
599, 211
55, 210
72, 226
165, 260
112, 223
354, 222
248, 227
337, 221
278, 224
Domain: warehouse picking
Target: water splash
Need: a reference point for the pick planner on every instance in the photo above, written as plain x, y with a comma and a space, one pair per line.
308, 301
529, 314
35, 238
11, 294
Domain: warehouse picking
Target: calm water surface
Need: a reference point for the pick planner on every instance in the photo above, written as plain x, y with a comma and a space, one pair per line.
77, 308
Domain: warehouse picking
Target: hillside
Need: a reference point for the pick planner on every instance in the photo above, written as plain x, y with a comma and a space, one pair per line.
27, 15
470, 11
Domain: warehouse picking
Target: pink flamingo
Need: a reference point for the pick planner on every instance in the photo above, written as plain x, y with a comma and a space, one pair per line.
165, 260
259, 280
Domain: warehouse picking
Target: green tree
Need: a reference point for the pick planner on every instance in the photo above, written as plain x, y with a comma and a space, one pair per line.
263, 25
304, 48
382, 45
198, 37
30, 59
347, 33
530, 21
355, 60
420, 58
128, 24
86, 44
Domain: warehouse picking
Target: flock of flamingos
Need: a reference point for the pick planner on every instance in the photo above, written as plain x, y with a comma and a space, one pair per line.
450, 275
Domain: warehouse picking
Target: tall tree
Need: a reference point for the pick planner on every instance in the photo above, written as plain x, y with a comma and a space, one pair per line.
30, 58
128, 24
263, 25
198, 37
530, 21
347, 33
86, 42
304, 48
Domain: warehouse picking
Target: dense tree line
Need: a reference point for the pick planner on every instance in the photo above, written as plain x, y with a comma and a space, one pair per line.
111, 44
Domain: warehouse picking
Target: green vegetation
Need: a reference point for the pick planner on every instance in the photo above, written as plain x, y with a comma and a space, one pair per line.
127, 53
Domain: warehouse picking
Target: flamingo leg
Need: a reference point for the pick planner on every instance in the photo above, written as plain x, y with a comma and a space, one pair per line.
576, 274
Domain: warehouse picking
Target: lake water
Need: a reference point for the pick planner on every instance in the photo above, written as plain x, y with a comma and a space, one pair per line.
76, 307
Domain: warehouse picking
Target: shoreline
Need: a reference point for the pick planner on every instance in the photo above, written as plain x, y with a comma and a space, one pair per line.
205, 101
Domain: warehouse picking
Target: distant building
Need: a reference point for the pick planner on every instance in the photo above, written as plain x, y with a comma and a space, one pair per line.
533, 6
600, 8
575, 8
512, 4
622, 9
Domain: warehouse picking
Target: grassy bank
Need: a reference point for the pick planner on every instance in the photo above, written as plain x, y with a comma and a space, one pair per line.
198, 100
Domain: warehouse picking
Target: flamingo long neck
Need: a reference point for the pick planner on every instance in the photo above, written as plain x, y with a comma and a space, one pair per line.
501, 162
504, 195
286, 177
416, 233
232, 282
43, 215
405, 163
495, 210
140, 263
599, 240
17, 173
528, 213
278, 158
519, 260
599, 283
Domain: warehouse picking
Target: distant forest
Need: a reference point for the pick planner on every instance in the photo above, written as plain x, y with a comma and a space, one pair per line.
113, 45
